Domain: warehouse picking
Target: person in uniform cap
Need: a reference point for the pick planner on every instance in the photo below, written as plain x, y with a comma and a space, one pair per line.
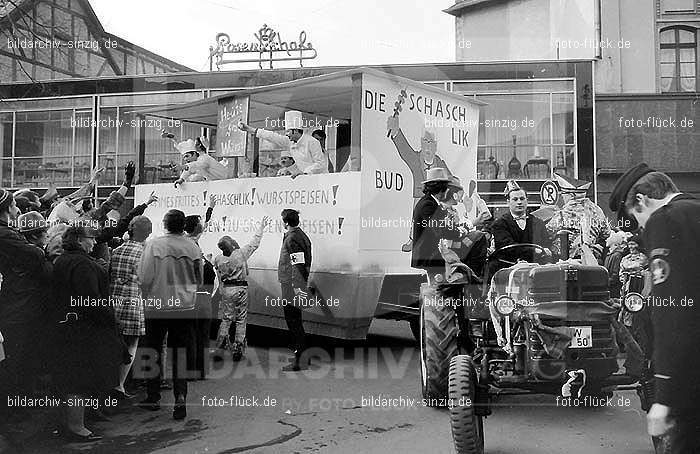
430, 224
580, 215
670, 221
305, 150
199, 165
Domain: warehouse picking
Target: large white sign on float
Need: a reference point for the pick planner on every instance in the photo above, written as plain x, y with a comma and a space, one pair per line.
394, 166
328, 206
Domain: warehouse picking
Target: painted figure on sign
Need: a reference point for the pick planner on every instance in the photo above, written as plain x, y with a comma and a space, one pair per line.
419, 161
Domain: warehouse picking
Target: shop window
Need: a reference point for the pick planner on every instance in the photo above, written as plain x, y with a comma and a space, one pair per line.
43, 148
526, 136
49, 146
678, 59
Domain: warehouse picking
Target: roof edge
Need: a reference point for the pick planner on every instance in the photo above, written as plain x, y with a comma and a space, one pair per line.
457, 9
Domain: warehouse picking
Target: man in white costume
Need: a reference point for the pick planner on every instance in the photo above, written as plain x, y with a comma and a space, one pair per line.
199, 165
305, 150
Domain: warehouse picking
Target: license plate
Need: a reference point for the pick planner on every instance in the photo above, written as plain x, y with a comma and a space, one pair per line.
582, 337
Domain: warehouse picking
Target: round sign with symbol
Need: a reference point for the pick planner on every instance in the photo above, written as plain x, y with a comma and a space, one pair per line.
549, 192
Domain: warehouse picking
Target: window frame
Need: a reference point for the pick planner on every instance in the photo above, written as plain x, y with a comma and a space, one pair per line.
676, 46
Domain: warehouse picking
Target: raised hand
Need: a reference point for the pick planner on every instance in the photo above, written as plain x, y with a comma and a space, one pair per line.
152, 198
130, 170
96, 173
244, 127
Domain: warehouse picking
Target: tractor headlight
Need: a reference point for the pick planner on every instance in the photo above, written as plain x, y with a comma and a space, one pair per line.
634, 302
505, 305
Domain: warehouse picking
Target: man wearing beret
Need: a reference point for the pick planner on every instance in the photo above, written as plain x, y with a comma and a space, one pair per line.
671, 227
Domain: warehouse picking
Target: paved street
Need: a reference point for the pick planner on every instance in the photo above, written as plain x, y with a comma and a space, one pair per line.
322, 411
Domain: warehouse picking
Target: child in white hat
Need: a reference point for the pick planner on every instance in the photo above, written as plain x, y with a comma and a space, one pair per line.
289, 167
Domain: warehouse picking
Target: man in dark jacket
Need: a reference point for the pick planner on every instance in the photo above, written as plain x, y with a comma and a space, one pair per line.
431, 223
517, 227
25, 273
293, 274
671, 228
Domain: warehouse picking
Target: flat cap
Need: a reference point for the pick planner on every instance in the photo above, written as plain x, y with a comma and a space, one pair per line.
625, 183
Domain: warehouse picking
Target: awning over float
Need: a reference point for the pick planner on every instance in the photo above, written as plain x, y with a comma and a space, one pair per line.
326, 96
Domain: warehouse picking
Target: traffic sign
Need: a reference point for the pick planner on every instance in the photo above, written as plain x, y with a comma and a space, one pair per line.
549, 192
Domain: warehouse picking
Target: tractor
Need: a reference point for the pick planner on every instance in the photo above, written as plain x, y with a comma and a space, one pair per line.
536, 327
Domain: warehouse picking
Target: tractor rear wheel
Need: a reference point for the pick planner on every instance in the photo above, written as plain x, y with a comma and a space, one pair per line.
438, 344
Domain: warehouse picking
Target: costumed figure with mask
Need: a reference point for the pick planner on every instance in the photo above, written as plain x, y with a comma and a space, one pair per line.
472, 245
586, 220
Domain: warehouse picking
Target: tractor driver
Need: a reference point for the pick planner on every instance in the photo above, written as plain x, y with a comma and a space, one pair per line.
517, 227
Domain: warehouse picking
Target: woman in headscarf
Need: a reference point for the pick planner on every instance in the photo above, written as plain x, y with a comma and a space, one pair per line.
89, 348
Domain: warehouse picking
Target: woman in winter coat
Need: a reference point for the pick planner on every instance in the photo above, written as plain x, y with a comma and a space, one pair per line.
90, 349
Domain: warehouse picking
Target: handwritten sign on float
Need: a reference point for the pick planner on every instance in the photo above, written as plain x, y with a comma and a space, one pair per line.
231, 141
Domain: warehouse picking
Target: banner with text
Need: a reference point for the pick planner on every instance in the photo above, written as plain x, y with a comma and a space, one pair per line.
328, 206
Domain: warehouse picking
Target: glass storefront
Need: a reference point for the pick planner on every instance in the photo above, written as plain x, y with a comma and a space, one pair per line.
42, 146
525, 133
41, 143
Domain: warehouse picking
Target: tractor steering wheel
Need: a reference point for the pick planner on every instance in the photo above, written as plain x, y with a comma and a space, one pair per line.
520, 249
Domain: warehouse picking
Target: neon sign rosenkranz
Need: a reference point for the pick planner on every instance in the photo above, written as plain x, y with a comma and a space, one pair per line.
268, 48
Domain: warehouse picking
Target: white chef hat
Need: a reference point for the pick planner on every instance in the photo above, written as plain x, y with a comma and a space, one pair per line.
293, 120
186, 146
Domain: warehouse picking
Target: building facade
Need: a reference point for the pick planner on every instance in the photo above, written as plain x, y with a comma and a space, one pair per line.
645, 59
536, 119
56, 39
